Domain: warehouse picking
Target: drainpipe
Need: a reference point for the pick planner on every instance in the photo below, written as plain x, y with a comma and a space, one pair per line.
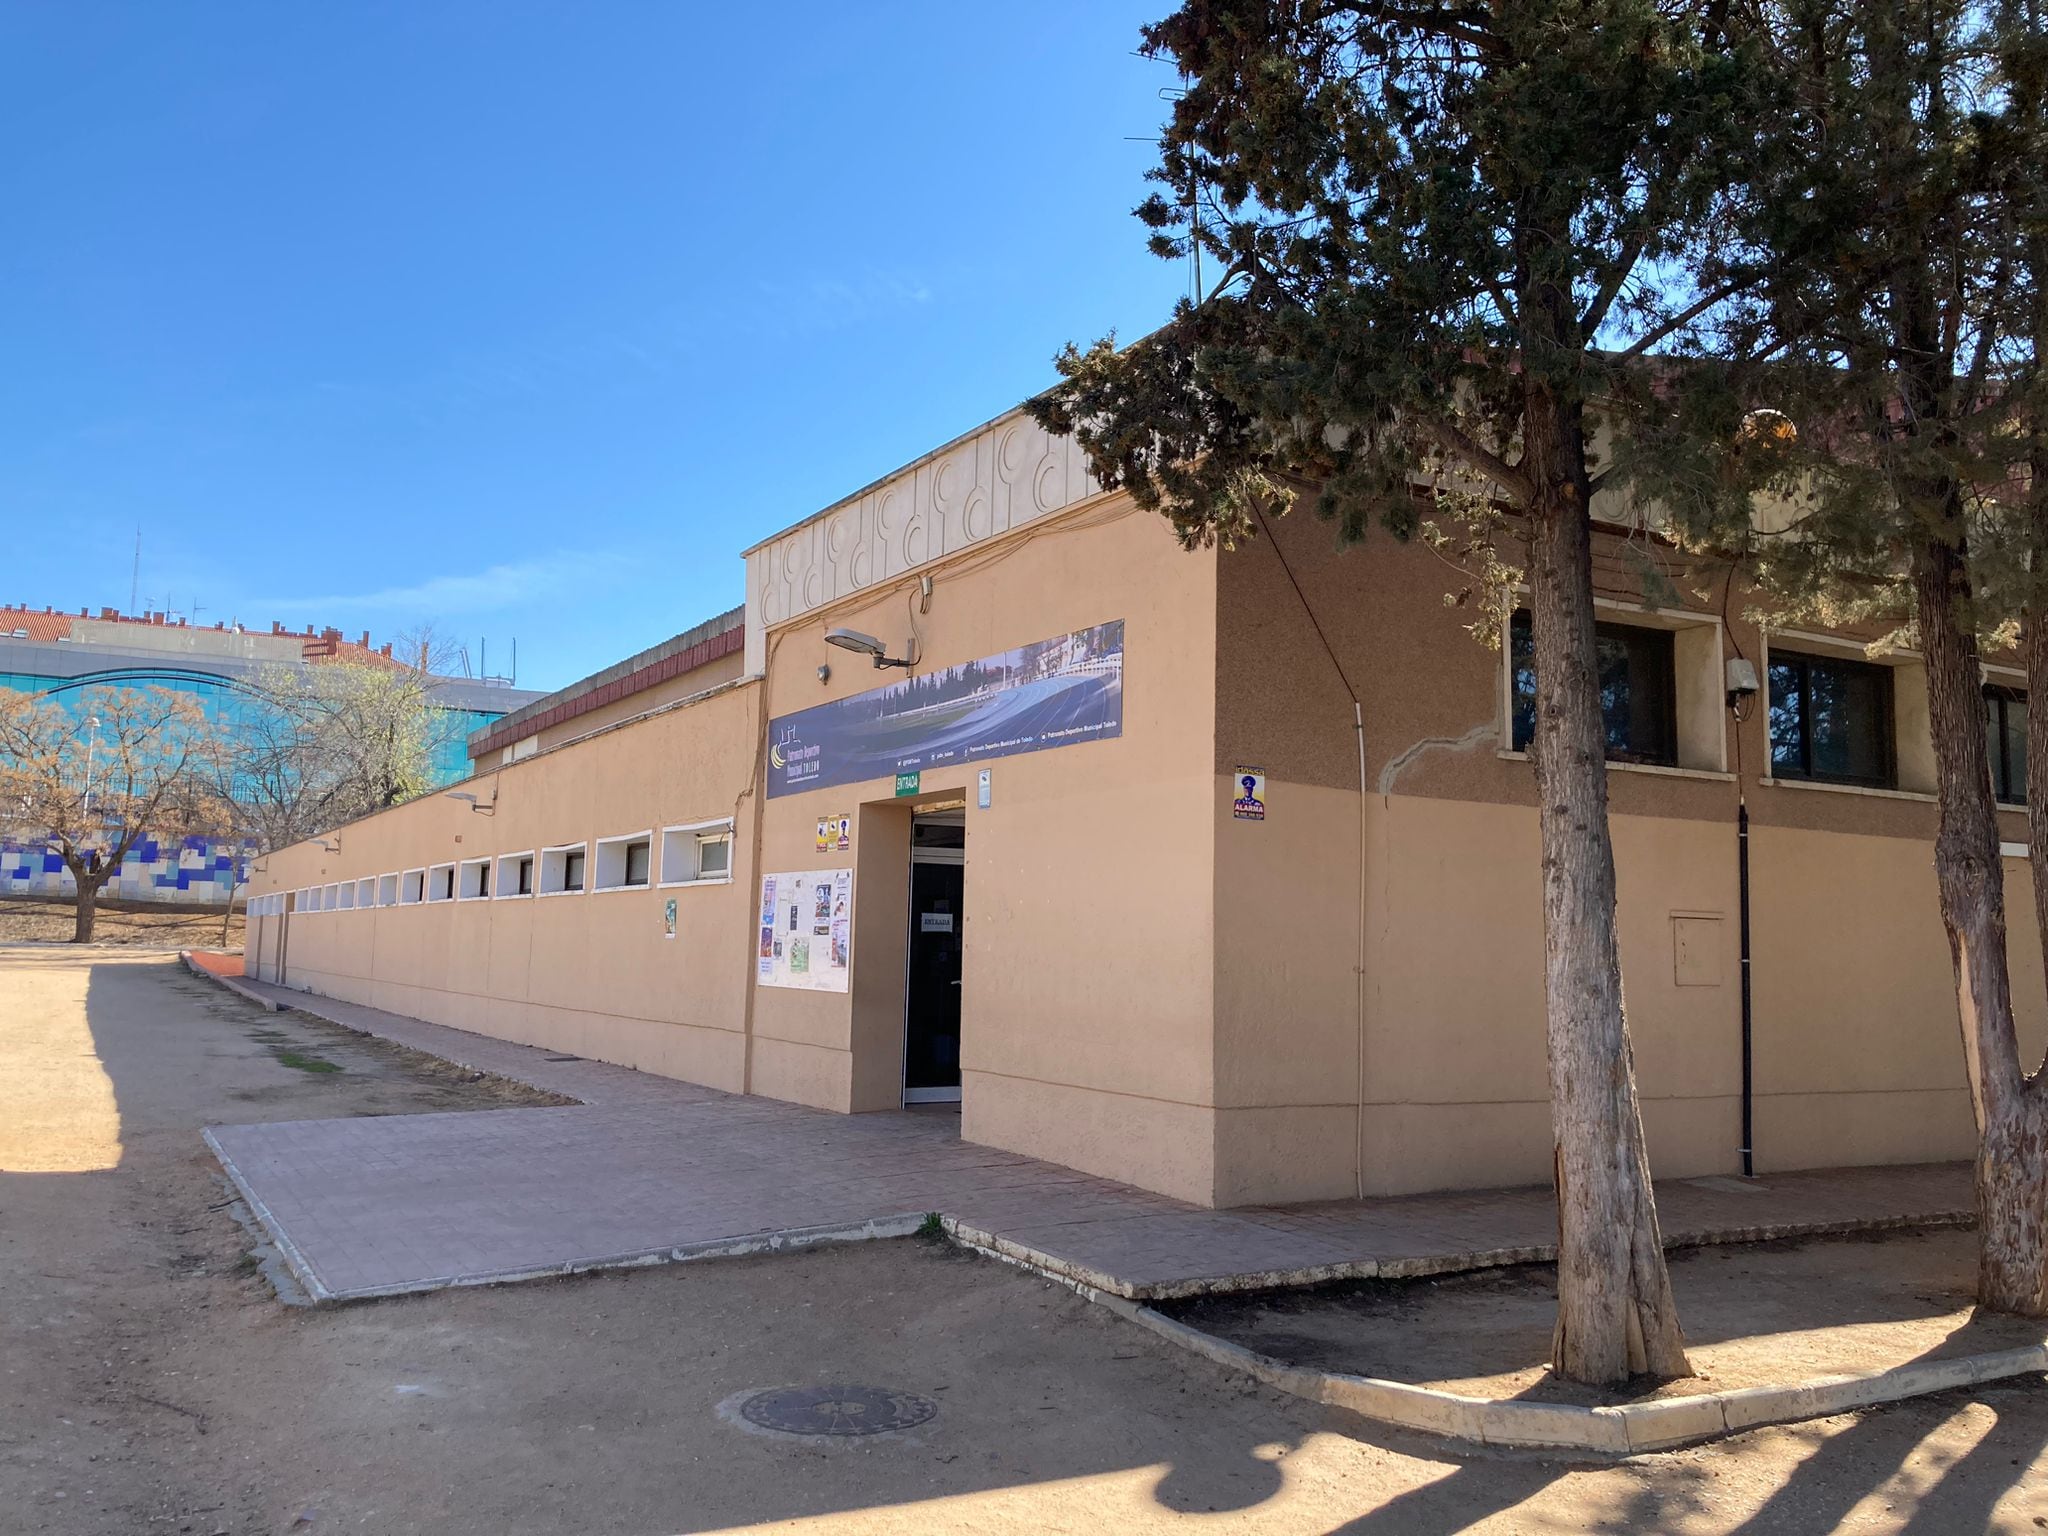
1358, 1153
1742, 899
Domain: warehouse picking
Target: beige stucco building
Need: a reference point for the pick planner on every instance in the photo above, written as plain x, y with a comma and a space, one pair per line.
1069, 915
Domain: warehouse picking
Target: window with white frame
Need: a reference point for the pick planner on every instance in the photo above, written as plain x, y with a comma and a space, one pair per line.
387, 890
514, 875
345, 895
441, 883
366, 891
561, 870
623, 863
697, 853
412, 887
331, 900
474, 880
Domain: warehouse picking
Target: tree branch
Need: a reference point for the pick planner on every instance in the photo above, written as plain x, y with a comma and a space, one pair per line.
1679, 321
1485, 461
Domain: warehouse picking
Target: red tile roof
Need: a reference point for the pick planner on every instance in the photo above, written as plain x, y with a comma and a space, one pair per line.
520, 724
323, 645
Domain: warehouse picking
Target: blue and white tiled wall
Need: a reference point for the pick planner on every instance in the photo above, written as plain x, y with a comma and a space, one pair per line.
194, 871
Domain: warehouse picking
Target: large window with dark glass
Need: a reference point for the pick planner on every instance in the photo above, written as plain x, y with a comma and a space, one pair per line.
1831, 719
1638, 688
2005, 732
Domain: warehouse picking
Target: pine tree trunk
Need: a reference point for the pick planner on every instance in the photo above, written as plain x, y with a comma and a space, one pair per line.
2012, 1148
1615, 1313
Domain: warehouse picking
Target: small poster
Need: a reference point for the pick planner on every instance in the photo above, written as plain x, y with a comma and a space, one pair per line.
668, 919
835, 834
807, 926
844, 843
1250, 804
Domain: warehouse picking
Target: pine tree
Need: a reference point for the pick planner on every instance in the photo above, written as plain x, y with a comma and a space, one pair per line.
1445, 233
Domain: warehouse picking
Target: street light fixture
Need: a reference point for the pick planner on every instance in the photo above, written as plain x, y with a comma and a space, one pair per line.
867, 645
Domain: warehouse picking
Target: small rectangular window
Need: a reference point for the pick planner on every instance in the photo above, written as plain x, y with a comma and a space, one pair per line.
696, 852
387, 890
559, 871
413, 887
475, 880
2005, 731
1831, 720
622, 863
1638, 689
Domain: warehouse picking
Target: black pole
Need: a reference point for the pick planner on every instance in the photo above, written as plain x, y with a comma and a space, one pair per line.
1742, 868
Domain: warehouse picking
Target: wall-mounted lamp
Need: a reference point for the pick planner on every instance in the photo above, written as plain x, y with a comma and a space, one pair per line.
825, 673
869, 646
329, 847
487, 807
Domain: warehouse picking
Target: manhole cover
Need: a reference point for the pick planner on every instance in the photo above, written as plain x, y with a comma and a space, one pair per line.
840, 1409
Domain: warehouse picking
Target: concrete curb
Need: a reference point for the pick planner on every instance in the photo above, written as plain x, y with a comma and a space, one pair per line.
295, 1261
1626, 1430
1619, 1431
230, 982
787, 1240
1086, 1276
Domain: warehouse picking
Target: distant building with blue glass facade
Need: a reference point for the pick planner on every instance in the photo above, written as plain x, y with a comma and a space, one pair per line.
65, 655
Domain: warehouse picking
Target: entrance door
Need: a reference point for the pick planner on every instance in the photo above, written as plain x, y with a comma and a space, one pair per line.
931, 996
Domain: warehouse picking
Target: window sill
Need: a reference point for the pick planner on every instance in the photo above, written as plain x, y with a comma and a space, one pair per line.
577, 892
509, 896
1822, 785
677, 885
1713, 775
606, 890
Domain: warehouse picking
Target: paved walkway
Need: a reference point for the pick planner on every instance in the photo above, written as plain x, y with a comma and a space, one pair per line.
647, 1169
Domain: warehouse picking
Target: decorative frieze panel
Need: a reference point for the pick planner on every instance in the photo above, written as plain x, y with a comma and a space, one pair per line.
1001, 477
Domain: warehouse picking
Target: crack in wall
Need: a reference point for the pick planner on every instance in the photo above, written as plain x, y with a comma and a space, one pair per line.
1478, 736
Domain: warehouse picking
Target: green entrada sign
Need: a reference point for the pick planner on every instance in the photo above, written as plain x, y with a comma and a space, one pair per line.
906, 783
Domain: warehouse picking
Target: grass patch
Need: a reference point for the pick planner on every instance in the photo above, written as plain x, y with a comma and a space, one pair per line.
931, 1226
304, 1063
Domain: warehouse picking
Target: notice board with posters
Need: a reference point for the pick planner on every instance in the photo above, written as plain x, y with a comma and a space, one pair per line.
806, 937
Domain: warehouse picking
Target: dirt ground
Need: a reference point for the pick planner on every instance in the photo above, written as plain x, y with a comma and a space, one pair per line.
123, 923
150, 1381
1755, 1314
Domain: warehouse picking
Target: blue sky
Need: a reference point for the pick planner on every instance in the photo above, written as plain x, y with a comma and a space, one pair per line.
525, 319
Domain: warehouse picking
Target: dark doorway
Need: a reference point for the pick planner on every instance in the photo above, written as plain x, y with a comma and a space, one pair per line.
931, 999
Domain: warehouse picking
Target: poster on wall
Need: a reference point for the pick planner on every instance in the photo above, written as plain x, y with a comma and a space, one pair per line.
806, 936
1051, 693
1250, 801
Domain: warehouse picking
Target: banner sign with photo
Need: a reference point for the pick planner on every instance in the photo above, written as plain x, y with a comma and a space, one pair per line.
1051, 693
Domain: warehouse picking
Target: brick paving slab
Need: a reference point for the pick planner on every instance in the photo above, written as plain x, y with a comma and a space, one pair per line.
645, 1166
